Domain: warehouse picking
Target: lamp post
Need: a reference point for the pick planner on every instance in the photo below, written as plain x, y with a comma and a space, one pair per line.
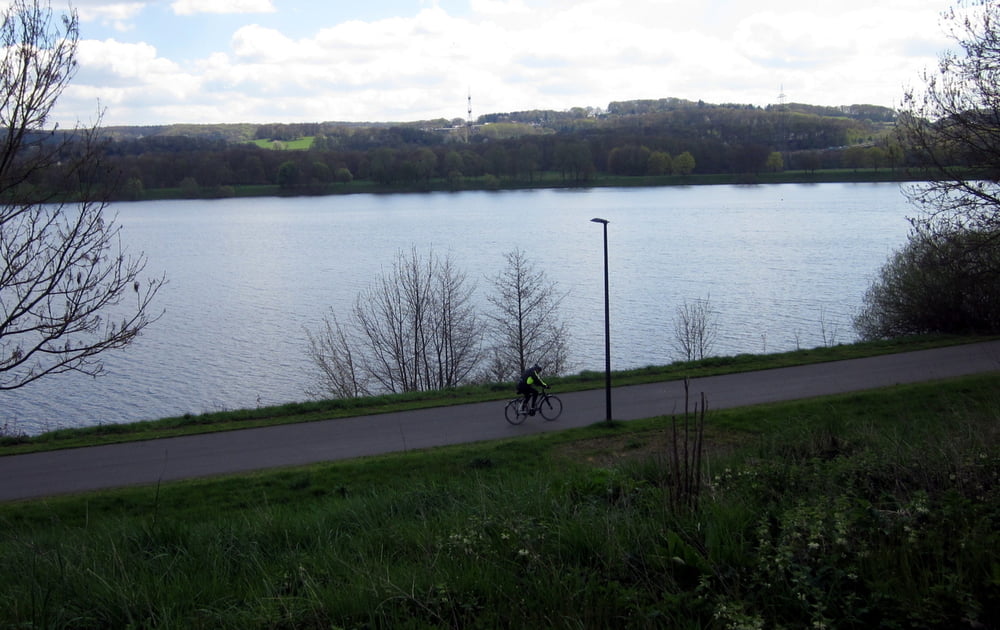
607, 324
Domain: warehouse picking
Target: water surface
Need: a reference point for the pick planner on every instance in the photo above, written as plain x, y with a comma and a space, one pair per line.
785, 266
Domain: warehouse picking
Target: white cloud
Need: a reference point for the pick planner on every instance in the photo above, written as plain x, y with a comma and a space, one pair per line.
119, 16
128, 62
780, 41
130, 80
258, 44
499, 7
512, 54
193, 7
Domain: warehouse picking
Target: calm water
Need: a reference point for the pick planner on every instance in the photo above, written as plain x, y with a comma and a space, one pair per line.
784, 266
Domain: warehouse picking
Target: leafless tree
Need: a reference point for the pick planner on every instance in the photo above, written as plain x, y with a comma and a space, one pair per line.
68, 289
413, 329
696, 328
952, 125
526, 323
456, 338
339, 373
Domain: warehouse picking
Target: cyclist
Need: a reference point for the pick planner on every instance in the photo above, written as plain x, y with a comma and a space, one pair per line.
529, 378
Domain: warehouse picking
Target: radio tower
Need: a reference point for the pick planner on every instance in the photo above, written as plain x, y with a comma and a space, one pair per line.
468, 120
782, 120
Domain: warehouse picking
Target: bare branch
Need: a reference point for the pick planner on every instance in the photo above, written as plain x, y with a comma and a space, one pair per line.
526, 325
413, 329
952, 126
696, 328
66, 282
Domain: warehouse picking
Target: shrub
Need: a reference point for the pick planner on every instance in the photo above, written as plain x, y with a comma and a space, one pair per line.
938, 283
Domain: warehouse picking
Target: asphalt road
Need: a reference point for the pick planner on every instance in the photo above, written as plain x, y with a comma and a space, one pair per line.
85, 469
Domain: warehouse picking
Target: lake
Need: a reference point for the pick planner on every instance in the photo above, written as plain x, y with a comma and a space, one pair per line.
785, 267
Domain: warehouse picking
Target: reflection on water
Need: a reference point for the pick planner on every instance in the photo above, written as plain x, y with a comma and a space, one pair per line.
785, 266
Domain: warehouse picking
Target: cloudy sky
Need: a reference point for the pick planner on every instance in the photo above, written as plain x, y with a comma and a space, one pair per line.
214, 61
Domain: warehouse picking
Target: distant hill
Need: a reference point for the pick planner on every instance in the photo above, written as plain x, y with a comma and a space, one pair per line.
629, 140
230, 133
236, 133
873, 113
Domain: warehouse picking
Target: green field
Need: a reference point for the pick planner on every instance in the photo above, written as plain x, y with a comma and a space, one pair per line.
299, 144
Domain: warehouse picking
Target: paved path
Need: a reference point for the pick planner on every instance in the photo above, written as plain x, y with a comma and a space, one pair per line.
84, 469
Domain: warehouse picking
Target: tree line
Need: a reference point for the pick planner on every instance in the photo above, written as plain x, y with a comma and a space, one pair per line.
629, 139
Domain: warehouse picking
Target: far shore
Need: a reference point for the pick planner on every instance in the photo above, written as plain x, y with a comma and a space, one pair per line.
542, 181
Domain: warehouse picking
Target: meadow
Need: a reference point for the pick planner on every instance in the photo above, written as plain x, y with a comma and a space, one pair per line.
879, 509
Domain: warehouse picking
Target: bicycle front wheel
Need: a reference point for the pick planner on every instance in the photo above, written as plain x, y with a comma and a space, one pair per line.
550, 407
513, 411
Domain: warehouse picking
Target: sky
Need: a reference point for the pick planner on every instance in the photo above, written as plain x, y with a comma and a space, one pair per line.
152, 62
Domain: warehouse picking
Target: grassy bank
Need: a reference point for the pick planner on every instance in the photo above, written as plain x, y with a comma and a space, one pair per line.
189, 424
879, 509
540, 180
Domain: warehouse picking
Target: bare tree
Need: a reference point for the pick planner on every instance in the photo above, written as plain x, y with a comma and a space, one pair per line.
527, 327
413, 329
456, 339
340, 374
952, 126
64, 275
390, 315
696, 328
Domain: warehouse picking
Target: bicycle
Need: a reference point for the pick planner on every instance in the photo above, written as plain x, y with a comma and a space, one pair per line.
549, 406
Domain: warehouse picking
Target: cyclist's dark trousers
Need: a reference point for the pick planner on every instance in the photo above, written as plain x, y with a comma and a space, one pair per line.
530, 394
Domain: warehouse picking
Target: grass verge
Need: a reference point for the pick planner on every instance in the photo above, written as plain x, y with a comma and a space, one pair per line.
879, 509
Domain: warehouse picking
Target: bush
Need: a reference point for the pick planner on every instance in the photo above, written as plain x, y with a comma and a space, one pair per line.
938, 283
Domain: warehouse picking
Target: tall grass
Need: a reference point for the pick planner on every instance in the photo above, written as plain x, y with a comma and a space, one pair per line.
874, 510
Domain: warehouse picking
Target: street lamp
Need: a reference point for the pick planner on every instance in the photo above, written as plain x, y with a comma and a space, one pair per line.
607, 324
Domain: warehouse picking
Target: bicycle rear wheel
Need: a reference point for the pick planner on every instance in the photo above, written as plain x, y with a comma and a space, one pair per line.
550, 407
513, 411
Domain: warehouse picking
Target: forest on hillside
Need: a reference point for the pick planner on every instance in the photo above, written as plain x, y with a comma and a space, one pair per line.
629, 138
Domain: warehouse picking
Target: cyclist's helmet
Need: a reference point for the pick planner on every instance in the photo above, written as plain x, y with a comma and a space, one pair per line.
536, 368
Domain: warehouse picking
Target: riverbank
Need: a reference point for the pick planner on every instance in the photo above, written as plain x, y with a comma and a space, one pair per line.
305, 443
548, 180
194, 424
